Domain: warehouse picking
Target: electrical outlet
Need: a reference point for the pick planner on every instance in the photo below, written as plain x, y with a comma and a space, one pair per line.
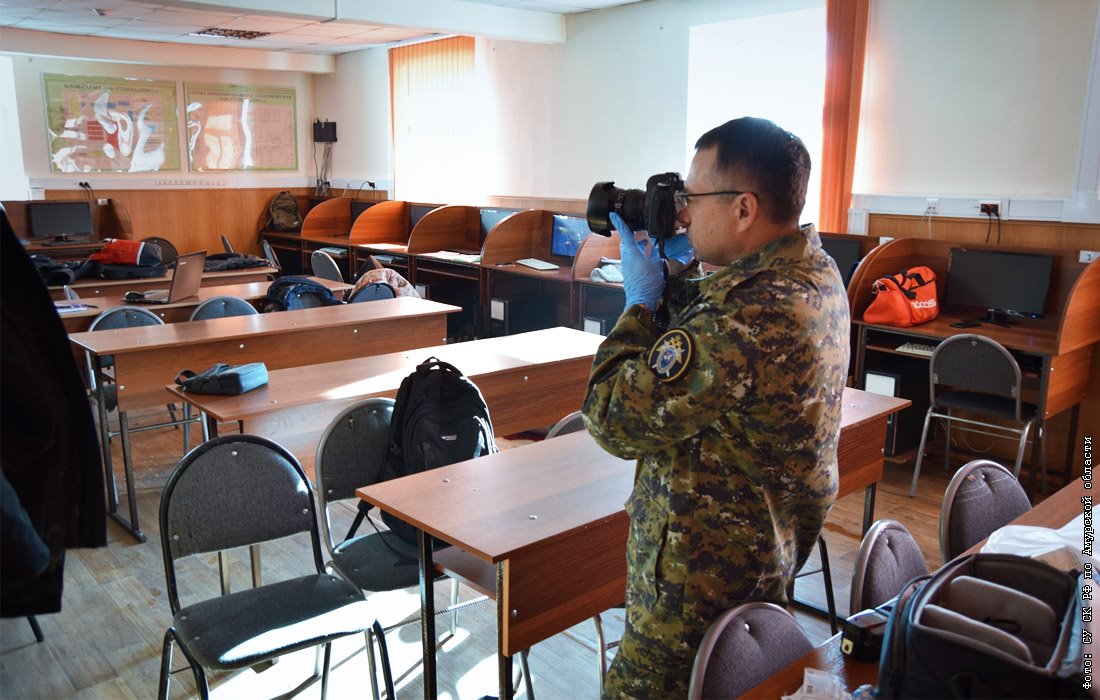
1087, 256
103, 201
932, 205
989, 207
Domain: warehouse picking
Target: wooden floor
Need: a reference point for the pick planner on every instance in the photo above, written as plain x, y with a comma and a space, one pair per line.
106, 641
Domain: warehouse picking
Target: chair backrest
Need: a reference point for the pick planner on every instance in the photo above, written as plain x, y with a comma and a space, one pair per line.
972, 362
372, 292
981, 497
221, 307
325, 267
227, 244
233, 491
888, 558
269, 253
168, 252
351, 453
573, 423
124, 317
744, 646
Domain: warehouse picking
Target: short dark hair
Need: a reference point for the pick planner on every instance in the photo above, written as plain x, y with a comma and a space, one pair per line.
770, 160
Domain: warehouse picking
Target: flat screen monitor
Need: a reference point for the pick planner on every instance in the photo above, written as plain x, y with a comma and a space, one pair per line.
845, 252
358, 208
61, 220
568, 234
417, 212
492, 217
1013, 284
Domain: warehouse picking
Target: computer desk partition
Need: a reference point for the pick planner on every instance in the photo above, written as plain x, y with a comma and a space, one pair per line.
1055, 352
550, 520
142, 360
529, 381
442, 262
253, 292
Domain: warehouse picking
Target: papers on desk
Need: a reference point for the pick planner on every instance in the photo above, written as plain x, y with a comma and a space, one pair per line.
72, 307
822, 685
385, 246
452, 256
1060, 548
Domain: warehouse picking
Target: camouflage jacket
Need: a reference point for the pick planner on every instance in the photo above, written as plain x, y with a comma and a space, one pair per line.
733, 415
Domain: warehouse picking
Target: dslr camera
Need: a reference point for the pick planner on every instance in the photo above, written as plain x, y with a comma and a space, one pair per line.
653, 210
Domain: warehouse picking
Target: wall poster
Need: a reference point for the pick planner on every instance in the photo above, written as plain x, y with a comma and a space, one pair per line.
241, 127
127, 125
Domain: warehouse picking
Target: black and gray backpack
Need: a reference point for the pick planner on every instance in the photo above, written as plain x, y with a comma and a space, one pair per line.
284, 214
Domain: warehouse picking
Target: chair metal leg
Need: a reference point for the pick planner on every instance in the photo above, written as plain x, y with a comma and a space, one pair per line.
826, 573
38, 636
920, 453
384, 655
324, 672
454, 602
369, 634
186, 427
165, 666
526, 672
601, 660
947, 443
1020, 450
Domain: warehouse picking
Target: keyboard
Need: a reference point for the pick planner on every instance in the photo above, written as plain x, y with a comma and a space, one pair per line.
536, 264
916, 349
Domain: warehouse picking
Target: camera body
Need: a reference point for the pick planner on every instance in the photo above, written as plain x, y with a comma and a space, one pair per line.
653, 210
862, 635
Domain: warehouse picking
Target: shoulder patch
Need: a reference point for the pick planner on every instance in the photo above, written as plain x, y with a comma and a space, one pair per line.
671, 355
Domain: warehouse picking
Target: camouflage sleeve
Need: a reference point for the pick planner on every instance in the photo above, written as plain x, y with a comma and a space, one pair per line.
647, 391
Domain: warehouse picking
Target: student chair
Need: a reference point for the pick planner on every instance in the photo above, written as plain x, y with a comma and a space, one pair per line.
242, 490
888, 558
744, 646
981, 497
221, 307
272, 258
168, 252
374, 291
227, 244
977, 375
325, 267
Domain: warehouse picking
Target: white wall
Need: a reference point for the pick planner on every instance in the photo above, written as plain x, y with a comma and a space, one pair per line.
13, 181
32, 123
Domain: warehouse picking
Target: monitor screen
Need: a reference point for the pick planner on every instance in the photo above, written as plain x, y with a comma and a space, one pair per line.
358, 208
569, 232
417, 212
845, 252
54, 219
492, 217
987, 279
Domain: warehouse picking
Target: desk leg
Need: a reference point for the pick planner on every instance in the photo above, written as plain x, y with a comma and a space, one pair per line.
869, 506
427, 613
504, 662
128, 465
105, 446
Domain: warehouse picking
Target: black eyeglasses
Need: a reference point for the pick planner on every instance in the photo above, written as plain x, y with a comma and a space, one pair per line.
682, 198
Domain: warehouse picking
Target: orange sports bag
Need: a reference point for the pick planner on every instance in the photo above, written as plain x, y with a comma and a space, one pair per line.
905, 299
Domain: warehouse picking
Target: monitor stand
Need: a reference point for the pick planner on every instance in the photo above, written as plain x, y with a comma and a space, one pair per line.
997, 318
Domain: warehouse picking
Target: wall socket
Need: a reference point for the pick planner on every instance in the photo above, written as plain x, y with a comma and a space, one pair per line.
932, 205
990, 207
1087, 256
103, 201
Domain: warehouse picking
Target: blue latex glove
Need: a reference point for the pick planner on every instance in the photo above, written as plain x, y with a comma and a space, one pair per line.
678, 248
643, 275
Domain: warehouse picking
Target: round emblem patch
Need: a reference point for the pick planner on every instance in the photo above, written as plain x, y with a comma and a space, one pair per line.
670, 356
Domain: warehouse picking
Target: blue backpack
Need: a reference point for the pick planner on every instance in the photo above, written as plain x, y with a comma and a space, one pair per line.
292, 293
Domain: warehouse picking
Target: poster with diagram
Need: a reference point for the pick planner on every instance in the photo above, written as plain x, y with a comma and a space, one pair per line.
97, 125
241, 127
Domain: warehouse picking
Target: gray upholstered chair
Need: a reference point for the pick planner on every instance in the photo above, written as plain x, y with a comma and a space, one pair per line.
70, 293
227, 244
573, 423
222, 306
269, 253
982, 497
372, 292
127, 317
168, 252
325, 267
977, 375
888, 558
744, 646
236, 491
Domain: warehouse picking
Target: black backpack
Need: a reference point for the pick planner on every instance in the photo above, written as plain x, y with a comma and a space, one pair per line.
986, 626
439, 418
284, 214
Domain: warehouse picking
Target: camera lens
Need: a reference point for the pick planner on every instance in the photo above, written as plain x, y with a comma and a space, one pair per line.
606, 198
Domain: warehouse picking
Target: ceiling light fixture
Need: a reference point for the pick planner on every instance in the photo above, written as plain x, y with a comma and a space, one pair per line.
230, 33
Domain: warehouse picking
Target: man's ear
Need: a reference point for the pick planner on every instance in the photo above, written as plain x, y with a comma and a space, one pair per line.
746, 210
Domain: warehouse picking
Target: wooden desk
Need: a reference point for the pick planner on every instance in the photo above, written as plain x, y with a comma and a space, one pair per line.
98, 287
147, 358
1054, 512
550, 517
252, 292
298, 403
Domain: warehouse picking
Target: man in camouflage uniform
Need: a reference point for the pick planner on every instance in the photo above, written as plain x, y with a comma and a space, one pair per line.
732, 407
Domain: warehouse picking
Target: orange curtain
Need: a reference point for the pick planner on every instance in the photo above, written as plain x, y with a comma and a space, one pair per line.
845, 46
427, 81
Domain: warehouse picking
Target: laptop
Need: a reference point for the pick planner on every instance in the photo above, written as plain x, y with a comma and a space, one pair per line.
186, 281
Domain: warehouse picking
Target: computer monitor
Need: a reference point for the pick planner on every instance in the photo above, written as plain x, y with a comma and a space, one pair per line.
358, 208
845, 252
492, 217
417, 212
568, 234
60, 220
1004, 284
